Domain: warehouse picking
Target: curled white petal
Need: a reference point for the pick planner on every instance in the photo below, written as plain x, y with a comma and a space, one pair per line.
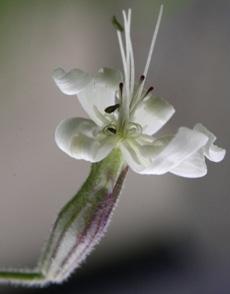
152, 114
72, 82
164, 154
108, 77
193, 167
93, 150
184, 144
71, 127
82, 139
211, 151
100, 93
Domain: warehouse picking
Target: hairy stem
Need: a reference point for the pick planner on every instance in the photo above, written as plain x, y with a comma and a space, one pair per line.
22, 277
80, 225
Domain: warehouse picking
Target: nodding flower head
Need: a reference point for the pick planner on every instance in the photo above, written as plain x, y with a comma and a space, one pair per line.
124, 117
125, 114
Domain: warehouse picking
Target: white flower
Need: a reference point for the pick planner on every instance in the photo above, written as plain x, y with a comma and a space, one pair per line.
124, 115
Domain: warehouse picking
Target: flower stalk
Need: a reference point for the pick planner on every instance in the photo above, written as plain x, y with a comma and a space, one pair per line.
120, 132
79, 226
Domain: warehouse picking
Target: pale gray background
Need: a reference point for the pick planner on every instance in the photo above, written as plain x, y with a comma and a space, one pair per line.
190, 68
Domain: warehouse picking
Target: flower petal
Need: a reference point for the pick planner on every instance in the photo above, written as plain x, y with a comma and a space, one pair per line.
100, 93
82, 139
164, 154
92, 150
72, 82
184, 144
139, 154
69, 128
193, 167
152, 114
133, 155
211, 151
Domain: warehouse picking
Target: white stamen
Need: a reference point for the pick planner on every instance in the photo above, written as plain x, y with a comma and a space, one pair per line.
132, 65
124, 111
153, 42
138, 96
126, 24
129, 54
122, 55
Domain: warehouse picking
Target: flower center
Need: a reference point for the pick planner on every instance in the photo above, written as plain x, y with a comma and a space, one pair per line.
130, 96
134, 130
110, 129
130, 130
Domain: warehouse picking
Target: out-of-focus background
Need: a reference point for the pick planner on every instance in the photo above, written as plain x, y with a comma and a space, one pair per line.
168, 234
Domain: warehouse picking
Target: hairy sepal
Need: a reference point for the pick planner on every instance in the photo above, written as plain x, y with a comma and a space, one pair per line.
83, 221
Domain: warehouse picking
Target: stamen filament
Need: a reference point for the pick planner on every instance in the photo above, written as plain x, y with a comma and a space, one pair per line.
132, 64
130, 101
122, 56
151, 49
136, 97
124, 113
134, 106
154, 38
126, 23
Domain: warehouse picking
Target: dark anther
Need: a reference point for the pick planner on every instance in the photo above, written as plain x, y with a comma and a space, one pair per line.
121, 88
112, 130
148, 91
142, 77
112, 108
117, 24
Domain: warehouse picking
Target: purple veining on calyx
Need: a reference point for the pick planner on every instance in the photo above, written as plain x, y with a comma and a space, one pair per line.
93, 232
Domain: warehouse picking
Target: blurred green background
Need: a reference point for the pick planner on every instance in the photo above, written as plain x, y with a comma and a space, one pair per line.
168, 234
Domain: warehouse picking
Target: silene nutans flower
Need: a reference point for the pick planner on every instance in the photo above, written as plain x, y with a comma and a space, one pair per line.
124, 117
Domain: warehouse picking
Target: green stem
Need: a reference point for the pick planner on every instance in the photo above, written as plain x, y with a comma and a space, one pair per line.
79, 226
20, 277
77, 218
